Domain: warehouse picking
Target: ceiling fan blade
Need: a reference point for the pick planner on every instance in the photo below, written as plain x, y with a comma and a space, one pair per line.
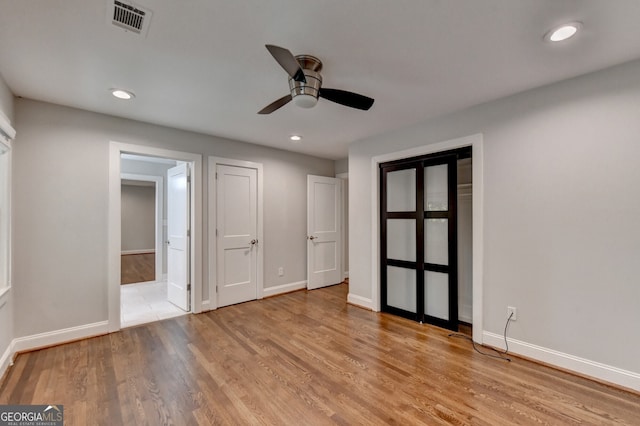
287, 61
275, 105
349, 99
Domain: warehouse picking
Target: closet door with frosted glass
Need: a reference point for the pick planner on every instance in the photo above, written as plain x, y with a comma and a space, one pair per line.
401, 210
440, 285
418, 240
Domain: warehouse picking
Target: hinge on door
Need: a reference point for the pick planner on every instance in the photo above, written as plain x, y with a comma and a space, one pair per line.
188, 232
188, 287
188, 178
216, 175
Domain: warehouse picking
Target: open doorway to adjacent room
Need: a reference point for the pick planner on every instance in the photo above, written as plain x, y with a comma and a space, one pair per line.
144, 260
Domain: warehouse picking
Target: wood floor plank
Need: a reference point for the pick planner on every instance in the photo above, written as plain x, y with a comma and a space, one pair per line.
137, 268
302, 358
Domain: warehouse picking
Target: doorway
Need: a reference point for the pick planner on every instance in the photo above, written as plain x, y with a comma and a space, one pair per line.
153, 163
476, 143
146, 292
142, 240
419, 238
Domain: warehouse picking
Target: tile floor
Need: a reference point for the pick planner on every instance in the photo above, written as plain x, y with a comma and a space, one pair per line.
146, 302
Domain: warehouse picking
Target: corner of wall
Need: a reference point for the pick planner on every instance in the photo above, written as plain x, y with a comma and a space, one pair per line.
341, 166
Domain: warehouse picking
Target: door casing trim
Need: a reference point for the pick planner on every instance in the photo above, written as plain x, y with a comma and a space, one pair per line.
115, 226
159, 203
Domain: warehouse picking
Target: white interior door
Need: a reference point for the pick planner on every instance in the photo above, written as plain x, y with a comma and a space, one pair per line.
237, 238
323, 231
178, 287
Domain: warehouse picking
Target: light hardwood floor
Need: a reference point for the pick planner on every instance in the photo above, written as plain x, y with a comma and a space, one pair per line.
304, 358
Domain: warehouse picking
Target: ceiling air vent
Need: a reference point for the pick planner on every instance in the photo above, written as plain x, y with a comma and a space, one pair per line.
128, 17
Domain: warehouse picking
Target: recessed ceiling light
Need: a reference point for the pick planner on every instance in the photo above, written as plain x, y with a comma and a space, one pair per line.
122, 94
563, 32
295, 138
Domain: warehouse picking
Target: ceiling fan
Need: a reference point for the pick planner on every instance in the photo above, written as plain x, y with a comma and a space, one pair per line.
305, 83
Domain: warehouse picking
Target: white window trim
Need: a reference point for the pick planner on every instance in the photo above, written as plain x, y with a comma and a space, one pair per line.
7, 134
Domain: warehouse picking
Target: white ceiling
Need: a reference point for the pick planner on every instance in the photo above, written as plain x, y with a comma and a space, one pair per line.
203, 65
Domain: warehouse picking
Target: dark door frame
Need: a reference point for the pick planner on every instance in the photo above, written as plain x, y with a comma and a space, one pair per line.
420, 214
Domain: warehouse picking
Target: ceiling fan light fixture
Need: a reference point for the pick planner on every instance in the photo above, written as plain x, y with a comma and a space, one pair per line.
295, 138
305, 101
563, 32
305, 84
122, 94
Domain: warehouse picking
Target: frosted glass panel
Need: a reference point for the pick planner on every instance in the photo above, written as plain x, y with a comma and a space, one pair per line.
401, 191
401, 288
401, 239
436, 294
436, 241
436, 188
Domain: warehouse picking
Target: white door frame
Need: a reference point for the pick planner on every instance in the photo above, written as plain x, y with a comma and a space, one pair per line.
159, 201
212, 302
476, 143
116, 149
343, 224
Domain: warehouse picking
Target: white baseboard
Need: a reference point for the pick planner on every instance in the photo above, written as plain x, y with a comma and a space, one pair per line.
50, 338
363, 302
586, 367
284, 288
59, 336
141, 251
6, 360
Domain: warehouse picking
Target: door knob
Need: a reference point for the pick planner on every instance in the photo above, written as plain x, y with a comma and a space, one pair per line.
312, 238
253, 242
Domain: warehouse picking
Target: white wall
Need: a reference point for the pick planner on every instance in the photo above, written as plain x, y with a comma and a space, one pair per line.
138, 225
61, 193
561, 216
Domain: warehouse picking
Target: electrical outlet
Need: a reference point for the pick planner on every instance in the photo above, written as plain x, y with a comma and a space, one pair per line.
512, 312
280, 271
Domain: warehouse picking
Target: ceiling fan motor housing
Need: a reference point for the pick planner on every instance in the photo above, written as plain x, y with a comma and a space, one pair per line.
305, 94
